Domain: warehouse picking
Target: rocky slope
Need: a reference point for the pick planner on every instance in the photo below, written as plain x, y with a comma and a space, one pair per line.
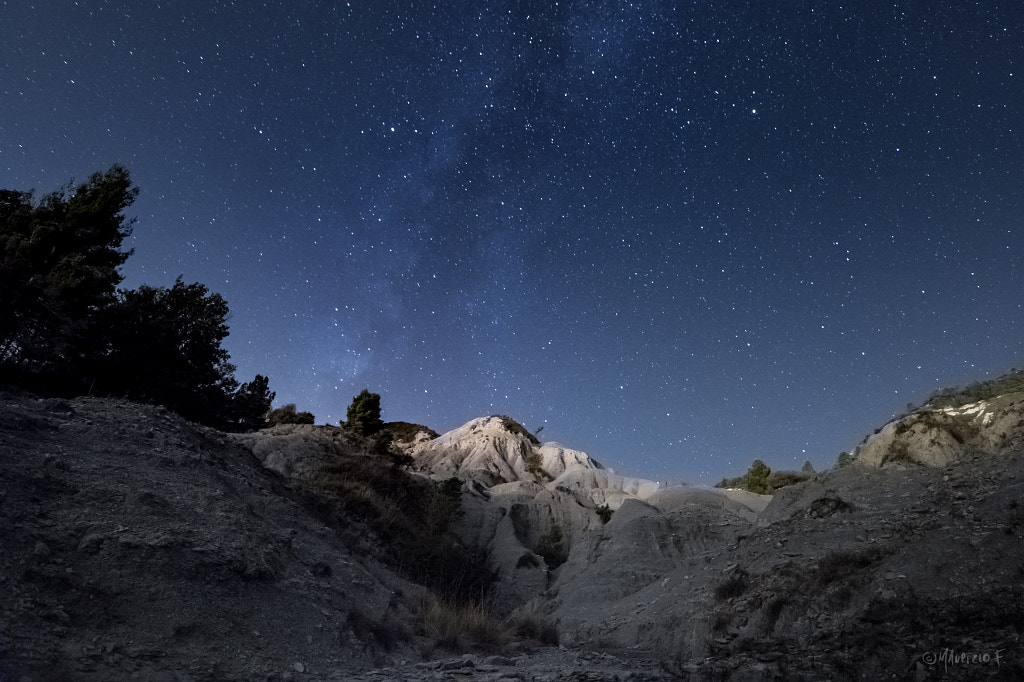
135, 545
884, 568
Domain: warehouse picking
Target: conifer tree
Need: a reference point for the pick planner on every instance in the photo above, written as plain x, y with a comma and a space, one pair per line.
363, 415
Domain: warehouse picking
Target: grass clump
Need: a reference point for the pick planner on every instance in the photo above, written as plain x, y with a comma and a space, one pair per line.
457, 626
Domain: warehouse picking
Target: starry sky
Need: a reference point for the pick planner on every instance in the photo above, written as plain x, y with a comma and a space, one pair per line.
677, 235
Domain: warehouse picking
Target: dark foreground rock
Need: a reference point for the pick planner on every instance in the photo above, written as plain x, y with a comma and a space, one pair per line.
135, 545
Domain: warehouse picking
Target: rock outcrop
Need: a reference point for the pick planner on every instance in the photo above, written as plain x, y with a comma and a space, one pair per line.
863, 571
941, 437
136, 545
520, 495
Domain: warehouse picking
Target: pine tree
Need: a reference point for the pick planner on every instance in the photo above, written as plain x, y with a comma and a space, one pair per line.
363, 417
59, 267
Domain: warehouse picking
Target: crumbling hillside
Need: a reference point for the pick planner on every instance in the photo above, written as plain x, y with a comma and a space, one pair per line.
136, 543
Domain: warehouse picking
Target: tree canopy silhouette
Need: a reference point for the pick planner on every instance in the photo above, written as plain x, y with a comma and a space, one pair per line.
65, 327
363, 416
59, 266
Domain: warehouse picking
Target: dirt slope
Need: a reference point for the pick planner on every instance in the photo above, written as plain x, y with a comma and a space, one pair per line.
138, 546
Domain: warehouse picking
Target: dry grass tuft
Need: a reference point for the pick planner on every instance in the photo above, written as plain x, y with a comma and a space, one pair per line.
456, 626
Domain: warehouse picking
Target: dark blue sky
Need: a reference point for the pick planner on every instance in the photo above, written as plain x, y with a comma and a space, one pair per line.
677, 235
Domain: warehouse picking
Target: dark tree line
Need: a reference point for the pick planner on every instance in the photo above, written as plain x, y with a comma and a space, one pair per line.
66, 328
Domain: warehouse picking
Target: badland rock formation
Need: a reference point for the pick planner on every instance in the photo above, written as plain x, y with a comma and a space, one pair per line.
136, 545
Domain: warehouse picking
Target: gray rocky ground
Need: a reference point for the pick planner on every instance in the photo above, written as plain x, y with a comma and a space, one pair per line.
135, 545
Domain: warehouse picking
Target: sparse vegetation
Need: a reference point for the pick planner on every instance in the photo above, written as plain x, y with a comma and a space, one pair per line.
897, 452
405, 432
551, 546
762, 480
412, 518
1010, 382
458, 626
514, 427
604, 512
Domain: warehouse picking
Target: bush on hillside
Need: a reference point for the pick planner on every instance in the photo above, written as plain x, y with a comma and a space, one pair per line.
287, 414
413, 520
762, 480
1010, 382
514, 427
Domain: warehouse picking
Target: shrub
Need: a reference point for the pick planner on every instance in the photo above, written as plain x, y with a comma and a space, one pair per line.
772, 611
512, 426
530, 626
755, 480
780, 479
286, 414
370, 631
405, 432
551, 547
604, 512
382, 443
528, 560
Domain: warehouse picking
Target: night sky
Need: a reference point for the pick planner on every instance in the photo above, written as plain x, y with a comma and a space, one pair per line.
678, 235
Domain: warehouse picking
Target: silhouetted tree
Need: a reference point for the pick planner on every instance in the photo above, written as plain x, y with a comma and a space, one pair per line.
363, 415
251, 404
65, 328
165, 346
756, 480
59, 266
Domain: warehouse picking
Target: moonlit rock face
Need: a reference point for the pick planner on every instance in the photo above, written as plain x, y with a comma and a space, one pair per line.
556, 460
607, 482
939, 438
486, 451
